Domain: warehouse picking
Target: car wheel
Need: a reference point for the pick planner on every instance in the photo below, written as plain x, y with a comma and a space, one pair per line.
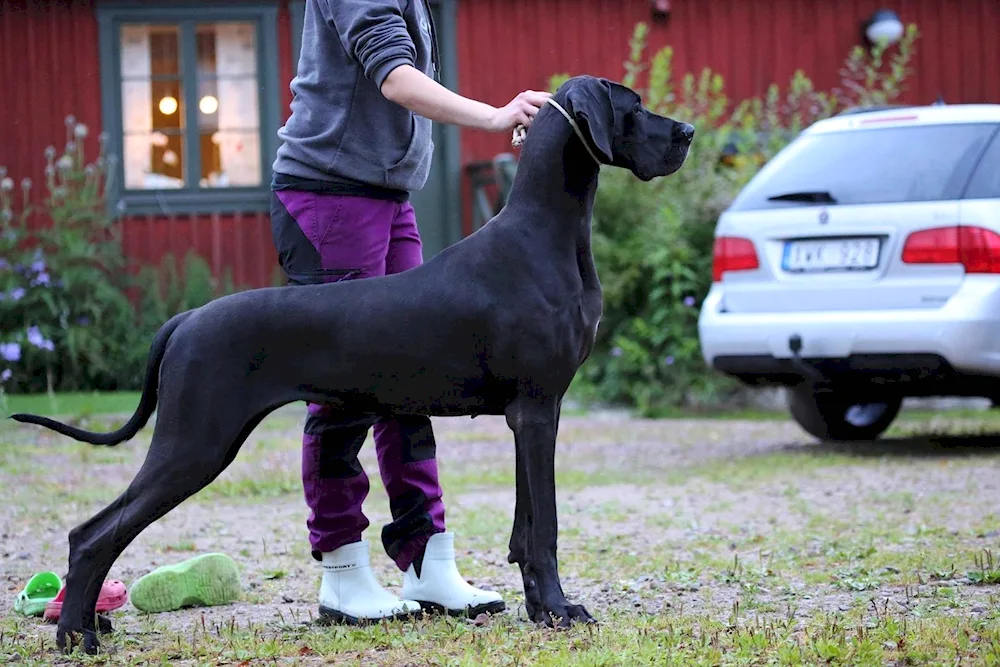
837, 416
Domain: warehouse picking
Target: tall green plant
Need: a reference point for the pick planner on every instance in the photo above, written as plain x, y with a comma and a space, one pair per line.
66, 319
653, 241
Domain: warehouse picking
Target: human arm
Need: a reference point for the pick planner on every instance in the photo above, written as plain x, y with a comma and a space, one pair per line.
375, 34
409, 87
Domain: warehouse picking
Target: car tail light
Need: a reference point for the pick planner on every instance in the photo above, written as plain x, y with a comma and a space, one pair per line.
732, 253
975, 248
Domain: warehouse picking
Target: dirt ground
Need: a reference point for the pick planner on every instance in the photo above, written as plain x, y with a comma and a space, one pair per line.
727, 519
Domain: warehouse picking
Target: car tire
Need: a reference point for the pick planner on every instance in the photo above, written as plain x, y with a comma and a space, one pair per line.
836, 416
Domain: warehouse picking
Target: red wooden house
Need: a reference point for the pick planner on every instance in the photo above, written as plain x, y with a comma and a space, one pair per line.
192, 92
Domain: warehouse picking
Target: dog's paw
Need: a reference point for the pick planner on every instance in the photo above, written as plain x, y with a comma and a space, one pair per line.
67, 640
562, 615
104, 626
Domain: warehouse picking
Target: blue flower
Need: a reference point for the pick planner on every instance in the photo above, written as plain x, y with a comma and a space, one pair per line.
83, 321
616, 352
38, 265
36, 338
42, 279
5, 375
4, 264
689, 301
10, 351
17, 293
669, 361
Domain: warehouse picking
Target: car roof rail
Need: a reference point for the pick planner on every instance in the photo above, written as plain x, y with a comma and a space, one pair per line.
872, 108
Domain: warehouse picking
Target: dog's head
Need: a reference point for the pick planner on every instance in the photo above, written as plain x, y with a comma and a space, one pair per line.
622, 132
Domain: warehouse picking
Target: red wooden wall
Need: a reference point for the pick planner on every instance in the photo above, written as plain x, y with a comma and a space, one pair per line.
505, 46
49, 69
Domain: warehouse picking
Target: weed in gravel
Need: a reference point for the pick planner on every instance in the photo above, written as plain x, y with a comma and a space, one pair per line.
987, 571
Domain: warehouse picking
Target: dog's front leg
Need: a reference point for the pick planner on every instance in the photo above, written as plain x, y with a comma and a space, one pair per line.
534, 423
520, 538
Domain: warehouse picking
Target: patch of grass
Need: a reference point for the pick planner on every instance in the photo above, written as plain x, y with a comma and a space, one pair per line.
875, 635
79, 405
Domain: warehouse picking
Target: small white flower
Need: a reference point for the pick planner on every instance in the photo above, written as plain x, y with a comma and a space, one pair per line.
7, 184
50, 171
70, 121
26, 184
50, 153
80, 131
65, 162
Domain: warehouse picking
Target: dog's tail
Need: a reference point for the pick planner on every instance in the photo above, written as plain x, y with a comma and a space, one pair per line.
147, 402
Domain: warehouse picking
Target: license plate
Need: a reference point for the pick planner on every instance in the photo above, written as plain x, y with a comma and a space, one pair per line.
831, 255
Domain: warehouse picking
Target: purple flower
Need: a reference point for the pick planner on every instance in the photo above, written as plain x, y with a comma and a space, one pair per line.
689, 301
42, 279
38, 265
17, 293
10, 351
616, 352
669, 361
4, 264
5, 375
36, 338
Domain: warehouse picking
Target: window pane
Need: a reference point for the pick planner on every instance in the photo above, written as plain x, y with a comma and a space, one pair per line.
228, 108
152, 107
985, 183
872, 166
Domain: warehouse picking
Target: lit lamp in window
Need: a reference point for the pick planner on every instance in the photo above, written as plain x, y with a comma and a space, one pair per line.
884, 26
168, 105
208, 105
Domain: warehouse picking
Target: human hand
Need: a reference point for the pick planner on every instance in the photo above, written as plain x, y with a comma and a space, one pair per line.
519, 111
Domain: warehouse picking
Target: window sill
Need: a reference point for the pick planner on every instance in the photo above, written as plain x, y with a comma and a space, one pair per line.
204, 202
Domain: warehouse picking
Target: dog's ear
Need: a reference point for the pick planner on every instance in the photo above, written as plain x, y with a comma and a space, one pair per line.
592, 107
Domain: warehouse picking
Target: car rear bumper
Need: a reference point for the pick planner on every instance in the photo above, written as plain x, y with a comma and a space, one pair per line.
961, 337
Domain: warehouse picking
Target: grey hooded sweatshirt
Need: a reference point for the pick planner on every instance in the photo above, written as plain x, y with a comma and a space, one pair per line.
343, 135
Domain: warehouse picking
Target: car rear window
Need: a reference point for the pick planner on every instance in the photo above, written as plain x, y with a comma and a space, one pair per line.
874, 166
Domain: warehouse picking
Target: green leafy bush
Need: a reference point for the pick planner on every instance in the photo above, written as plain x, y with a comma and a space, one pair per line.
653, 241
67, 321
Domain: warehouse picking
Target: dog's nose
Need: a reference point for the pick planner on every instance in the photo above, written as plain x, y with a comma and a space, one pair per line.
685, 131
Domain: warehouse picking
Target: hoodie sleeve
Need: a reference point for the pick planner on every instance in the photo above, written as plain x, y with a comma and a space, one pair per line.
373, 32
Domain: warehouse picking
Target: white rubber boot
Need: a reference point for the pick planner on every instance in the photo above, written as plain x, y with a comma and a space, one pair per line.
350, 593
441, 588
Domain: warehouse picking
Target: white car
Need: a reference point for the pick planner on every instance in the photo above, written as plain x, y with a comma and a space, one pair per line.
861, 266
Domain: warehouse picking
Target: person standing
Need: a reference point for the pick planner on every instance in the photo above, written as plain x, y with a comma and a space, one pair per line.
357, 143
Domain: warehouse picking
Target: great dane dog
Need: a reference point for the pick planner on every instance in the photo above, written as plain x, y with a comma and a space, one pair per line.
496, 324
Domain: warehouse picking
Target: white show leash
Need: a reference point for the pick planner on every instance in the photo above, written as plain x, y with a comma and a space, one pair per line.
520, 132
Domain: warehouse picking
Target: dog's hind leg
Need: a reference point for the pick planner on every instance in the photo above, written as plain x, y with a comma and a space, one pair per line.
534, 422
188, 451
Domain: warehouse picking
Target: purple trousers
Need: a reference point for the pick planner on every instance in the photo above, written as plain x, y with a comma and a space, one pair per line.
327, 238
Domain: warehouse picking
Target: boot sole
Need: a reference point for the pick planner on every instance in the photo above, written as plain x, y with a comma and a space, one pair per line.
203, 581
329, 616
487, 608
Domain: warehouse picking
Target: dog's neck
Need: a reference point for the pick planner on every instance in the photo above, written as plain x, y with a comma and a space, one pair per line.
556, 181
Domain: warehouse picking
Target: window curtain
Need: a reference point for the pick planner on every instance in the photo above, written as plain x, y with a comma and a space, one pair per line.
239, 119
137, 105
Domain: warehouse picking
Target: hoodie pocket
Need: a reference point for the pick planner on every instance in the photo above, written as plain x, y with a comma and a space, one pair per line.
416, 158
